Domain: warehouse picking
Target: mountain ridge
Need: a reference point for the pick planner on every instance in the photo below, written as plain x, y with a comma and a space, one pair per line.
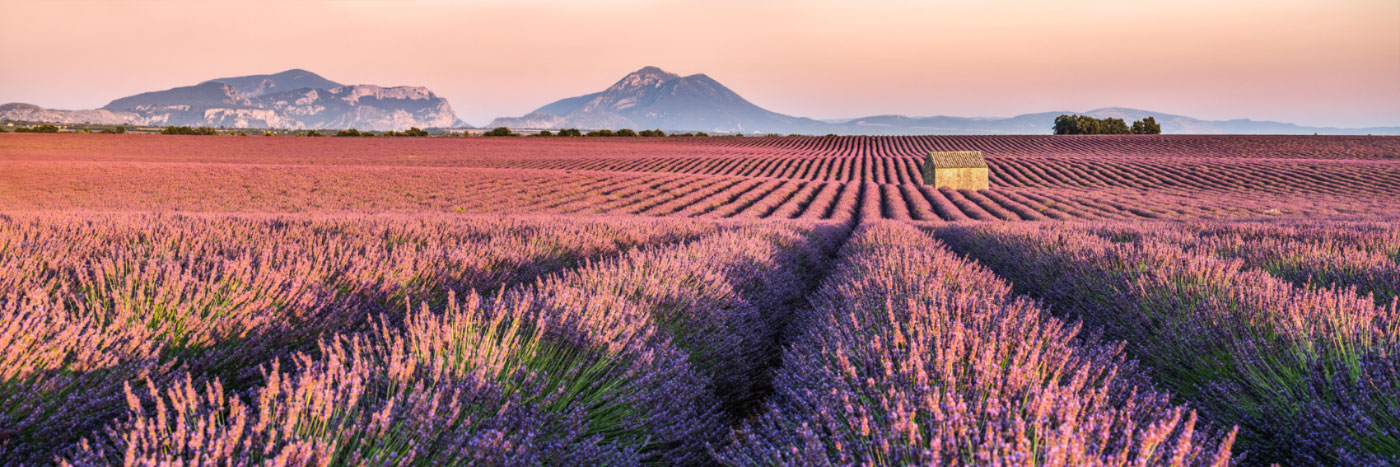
647, 98
653, 98
292, 99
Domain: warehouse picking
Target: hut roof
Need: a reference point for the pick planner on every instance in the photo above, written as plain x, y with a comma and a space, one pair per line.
957, 159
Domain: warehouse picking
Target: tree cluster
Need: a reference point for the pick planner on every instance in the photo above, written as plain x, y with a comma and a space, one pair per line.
412, 132
37, 129
500, 131
1086, 125
185, 130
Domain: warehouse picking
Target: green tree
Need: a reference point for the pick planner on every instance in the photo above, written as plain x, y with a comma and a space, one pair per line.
544, 133
500, 131
603, 132
185, 130
1147, 126
347, 133
1114, 126
626, 132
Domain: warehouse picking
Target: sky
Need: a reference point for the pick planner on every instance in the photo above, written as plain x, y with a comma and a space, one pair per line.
1323, 63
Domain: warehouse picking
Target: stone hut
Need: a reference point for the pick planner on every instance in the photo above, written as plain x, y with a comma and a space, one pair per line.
958, 170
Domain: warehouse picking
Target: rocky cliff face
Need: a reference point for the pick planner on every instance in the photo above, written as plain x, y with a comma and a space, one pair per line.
293, 99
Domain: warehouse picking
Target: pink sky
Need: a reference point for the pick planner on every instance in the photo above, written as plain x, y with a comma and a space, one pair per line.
1330, 63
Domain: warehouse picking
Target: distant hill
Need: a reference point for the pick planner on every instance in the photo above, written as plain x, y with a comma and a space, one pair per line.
653, 98
1040, 123
291, 99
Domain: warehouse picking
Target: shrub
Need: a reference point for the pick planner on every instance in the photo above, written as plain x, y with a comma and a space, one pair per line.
348, 133
601, 133
543, 133
701, 134
626, 132
500, 131
185, 130
682, 134
312, 133
652, 133
570, 132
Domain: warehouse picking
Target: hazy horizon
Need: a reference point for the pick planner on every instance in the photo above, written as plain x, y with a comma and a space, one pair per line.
1305, 62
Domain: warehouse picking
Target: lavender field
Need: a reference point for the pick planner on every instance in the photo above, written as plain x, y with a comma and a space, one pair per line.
1116, 300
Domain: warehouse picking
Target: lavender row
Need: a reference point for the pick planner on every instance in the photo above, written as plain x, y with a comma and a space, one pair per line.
910, 355
91, 302
1360, 255
1309, 375
632, 360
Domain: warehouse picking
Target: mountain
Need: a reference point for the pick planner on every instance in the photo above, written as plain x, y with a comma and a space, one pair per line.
653, 98
294, 99
290, 80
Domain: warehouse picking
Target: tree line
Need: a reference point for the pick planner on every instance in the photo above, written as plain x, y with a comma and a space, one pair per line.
625, 132
1086, 125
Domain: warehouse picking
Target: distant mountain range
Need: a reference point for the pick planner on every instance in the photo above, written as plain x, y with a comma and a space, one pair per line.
652, 98
645, 99
291, 99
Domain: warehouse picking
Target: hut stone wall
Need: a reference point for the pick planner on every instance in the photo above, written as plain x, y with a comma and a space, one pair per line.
964, 178
958, 170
